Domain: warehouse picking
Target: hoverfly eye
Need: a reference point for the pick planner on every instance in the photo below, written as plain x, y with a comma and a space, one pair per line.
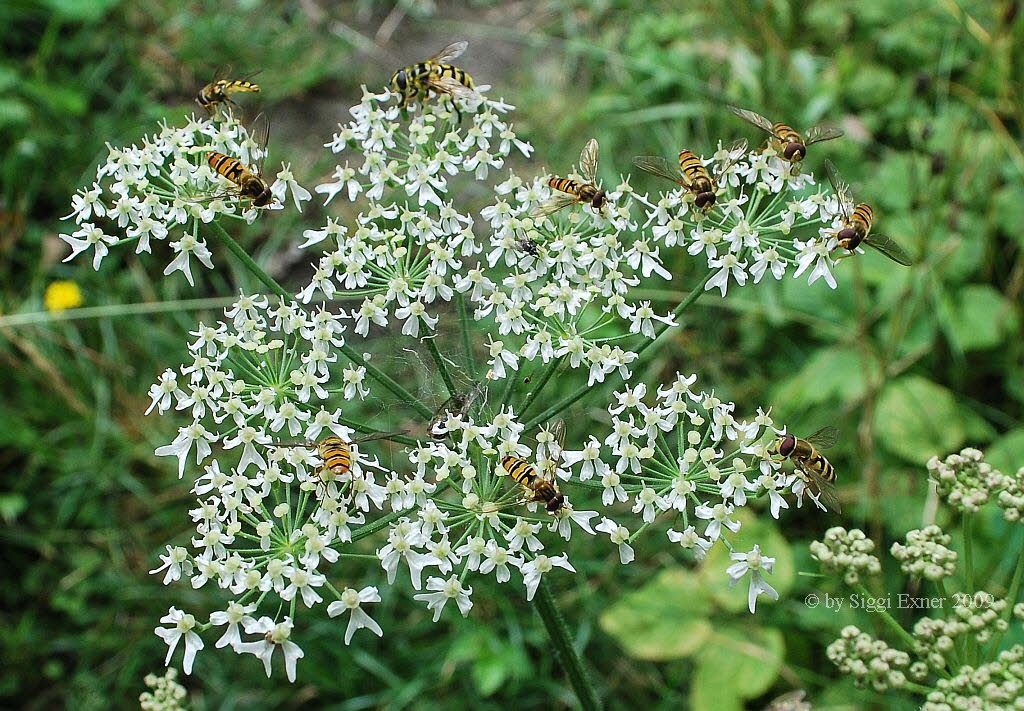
705, 199
847, 238
794, 151
787, 445
399, 80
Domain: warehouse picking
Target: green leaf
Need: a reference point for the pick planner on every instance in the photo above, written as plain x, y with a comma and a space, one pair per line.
976, 317
1007, 453
829, 375
760, 530
664, 619
736, 663
916, 419
1009, 211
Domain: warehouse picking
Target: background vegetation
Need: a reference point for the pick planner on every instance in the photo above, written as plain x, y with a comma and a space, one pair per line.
908, 363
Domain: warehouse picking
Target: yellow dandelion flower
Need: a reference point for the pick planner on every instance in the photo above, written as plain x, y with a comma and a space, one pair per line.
62, 295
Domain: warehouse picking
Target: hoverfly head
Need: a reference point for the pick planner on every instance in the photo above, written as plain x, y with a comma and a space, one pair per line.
794, 152
704, 200
555, 503
786, 445
848, 238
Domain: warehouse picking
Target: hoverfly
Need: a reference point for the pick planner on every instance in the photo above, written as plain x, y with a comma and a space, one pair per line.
336, 453
219, 90
542, 486
692, 174
573, 191
247, 180
455, 406
435, 75
804, 454
792, 144
856, 228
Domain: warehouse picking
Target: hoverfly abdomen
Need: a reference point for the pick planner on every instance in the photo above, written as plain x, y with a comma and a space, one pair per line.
227, 166
337, 455
521, 471
249, 184
701, 184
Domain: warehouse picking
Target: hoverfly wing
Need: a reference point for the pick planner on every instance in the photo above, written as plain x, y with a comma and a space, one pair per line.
755, 118
558, 432
889, 248
553, 205
259, 134
824, 438
452, 51
740, 147
840, 188
822, 133
222, 72
823, 488
451, 87
588, 161
656, 165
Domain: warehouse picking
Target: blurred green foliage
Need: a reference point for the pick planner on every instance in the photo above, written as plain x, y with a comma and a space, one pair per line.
907, 362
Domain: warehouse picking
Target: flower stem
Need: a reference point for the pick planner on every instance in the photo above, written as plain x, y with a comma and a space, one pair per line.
968, 534
566, 654
442, 367
1011, 600
257, 271
548, 372
465, 322
570, 399
890, 620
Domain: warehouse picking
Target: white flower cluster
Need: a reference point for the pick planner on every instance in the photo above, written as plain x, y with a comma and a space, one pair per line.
166, 189
846, 552
996, 686
926, 554
766, 220
965, 480
870, 661
268, 514
166, 693
935, 639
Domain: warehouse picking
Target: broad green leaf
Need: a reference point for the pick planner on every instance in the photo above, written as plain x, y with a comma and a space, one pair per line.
829, 375
760, 530
664, 619
736, 662
1007, 453
915, 419
1009, 211
976, 316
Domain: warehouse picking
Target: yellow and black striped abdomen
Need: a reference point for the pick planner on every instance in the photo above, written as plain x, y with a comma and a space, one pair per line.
692, 166
239, 85
566, 185
786, 134
231, 168
520, 470
862, 217
459, 75
337, 455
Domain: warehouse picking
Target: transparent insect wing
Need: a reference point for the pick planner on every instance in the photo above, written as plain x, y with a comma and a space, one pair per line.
656, 165
841, 189
259, 134
376, 435
755, 118
739, 147
824, 489
451, 87
889, 248
588, 161
821, 133
824, 438
449, 53
554, 204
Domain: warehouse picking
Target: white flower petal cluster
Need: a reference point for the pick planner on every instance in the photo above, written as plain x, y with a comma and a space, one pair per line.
165, 190
165, 694
766, 221
849, 553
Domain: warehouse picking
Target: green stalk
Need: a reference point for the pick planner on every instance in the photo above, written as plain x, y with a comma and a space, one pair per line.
558, 633
968, 534
659, 332
375, 373
550, 370
890, 620
464, 325
1011, 600
442, 367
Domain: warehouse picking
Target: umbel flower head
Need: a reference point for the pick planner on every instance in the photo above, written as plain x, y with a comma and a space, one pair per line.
846, 552
870, 661
926, 554
165, 189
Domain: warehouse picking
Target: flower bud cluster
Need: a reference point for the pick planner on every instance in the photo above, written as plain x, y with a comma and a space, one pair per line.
166, 695
926, 554
965, 480
871, 662
978, 620
996, 686
1011, 498
846, 552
